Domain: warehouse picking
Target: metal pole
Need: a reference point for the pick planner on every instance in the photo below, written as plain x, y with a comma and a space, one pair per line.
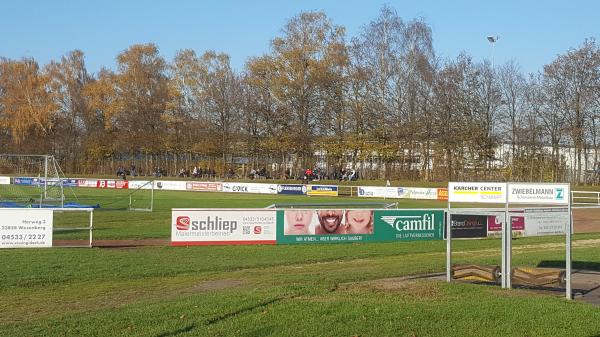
45, 176
569, 291
508, 246
152, 197
504, 273
448, 246
91, 225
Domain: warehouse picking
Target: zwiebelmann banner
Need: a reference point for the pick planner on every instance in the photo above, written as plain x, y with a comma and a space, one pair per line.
357, 225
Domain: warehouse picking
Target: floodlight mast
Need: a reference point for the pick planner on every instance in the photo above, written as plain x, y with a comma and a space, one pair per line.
493, 40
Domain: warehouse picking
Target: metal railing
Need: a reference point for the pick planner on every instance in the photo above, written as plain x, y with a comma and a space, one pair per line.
585, 198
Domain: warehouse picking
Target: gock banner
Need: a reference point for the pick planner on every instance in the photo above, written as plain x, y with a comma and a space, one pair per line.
296, 226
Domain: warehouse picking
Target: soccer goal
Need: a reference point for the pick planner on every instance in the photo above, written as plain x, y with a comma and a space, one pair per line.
30, 181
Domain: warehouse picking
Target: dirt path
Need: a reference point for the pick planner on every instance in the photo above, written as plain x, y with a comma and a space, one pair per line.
586, 220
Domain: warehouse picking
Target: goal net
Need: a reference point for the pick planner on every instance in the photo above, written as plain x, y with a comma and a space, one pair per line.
30, 181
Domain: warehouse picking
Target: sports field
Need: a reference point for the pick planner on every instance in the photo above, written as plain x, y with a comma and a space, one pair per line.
312, 290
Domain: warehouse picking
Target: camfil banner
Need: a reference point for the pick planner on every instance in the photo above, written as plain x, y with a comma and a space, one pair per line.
539, 222
296, 189
477, 192
25, 228
250, 188
297, 226
547, 194
191, 227
324, 190
4, 180
203, 186
169, 185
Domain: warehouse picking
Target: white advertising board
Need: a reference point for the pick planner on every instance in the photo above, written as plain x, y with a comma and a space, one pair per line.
222, 226
87, 182
140, 184
4, 180
250, 188
397, 192
379, 192
169, 185
25, 228
553, 194
477, 192
549, 222
423, 193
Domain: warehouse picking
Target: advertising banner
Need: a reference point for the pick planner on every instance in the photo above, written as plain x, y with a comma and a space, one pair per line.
87, 182
556, 194
326, 190
477, 192
25, 228
169, 185
191, 227
105, 184
541, 222
25, 181
140, 184
296, 226
250, 188
423, 193
203, 186
382, 192
69, 182
495, 223
465, 226
442, 194
291, 189
4, 180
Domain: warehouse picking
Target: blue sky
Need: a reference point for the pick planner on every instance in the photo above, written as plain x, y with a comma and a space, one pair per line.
531, 32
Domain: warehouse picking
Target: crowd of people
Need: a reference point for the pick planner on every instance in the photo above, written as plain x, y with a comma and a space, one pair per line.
306, 175
318, 174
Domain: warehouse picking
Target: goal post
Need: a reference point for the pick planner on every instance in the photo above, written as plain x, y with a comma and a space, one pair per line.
32, 180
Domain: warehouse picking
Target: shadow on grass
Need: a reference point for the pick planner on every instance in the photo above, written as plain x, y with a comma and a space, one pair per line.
178, 331
580, 265
259, 332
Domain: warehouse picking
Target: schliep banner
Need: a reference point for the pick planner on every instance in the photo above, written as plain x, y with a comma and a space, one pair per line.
222, 226
25, 228
557, 194
357, 225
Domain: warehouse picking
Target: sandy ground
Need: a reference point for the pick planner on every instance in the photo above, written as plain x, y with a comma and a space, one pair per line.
586, 220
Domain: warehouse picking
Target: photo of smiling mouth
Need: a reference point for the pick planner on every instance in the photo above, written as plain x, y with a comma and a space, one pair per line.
359, 220
331, 221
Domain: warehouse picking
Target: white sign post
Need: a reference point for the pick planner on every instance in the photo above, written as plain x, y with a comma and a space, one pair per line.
25, 228
545, 194
479, 192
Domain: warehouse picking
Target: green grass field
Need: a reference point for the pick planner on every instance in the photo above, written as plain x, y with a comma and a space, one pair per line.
284, 290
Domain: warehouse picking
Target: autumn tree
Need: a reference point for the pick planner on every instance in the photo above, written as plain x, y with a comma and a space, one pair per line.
26, 106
